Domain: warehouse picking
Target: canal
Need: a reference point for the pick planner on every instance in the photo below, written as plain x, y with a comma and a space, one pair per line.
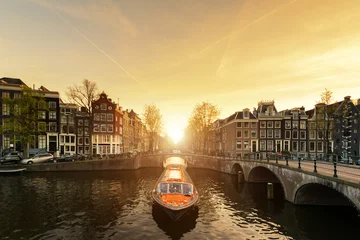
118, 205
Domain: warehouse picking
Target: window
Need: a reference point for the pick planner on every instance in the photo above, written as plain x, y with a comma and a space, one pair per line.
277, 124
277, 133
42, 141
253, 125
17, 95
302, 125
295, 134
246, 114
270, 146
262, 124
64, 129
312, 146
6, 109
52, 115
238, 145
63, 119
262, 145
302, 146
320, 146
41, 126
302, 135
246, 125
67, 139
110, 128
86, 131
52, 126
6, 141
312, 134
103, 117
6, 95
320, 134
287, 134
72, 148
52, 105
87, 141
80, 131
295, 124
269, 133
41, 115
62, 139
295, 116
253, 133
80, 150
270, 124
103, 106
103, 127
97, 116
287, 124
246, 145
71, 129
110, 117
238, 124
121, 122
246, 133
87, 150
121, 130
238, 133
312, 125
262, 133
72, 139
80, 122
96, 127
86, 122
294, 146
80, 140
286, 145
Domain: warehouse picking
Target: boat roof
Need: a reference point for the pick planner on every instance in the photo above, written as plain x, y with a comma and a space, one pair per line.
175, 173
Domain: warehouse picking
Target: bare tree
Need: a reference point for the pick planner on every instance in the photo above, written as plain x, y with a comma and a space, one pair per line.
200, 123
326, 123
83, 95
154, 123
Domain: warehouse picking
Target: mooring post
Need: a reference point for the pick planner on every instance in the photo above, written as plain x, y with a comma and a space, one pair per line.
315, 170
270, 191
240, 176
299, 163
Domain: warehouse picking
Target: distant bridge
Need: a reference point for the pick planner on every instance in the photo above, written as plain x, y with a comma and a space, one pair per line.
303, 182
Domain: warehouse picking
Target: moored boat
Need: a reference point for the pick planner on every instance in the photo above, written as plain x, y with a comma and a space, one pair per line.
174, 190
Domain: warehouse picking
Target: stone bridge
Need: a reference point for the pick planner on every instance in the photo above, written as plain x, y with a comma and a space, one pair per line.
300, 186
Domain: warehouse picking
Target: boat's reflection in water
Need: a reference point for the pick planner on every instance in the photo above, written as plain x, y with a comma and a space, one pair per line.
175, 229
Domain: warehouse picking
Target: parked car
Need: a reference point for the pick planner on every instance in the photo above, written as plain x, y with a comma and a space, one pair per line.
13, 157
39, 158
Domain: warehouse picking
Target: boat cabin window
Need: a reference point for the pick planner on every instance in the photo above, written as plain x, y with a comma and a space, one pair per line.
181, 188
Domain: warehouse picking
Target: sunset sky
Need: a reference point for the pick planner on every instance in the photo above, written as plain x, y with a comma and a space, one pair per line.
176, 53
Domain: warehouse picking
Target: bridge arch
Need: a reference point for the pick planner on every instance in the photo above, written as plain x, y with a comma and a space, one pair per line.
262, 174
321, 194
236, 168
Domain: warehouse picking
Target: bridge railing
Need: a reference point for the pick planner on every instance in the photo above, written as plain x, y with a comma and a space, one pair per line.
332, 168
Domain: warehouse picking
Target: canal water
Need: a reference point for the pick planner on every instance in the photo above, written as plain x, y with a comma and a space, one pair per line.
118, 205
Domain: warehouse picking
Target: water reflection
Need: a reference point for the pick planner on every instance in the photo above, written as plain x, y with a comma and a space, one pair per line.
175, 229
118, 205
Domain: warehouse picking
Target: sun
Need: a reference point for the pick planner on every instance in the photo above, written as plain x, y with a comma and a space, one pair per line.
175, 134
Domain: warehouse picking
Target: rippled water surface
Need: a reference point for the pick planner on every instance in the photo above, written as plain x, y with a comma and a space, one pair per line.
118, 205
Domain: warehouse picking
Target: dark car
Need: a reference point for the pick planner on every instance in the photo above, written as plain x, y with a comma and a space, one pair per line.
13, 157
63, 158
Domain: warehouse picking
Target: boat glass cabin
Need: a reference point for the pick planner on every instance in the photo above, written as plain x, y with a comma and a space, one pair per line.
175, 188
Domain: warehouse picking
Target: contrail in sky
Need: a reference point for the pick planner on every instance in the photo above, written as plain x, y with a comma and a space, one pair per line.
246, 26
92, 43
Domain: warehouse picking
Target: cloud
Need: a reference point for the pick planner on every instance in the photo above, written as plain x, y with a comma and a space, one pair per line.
106, 13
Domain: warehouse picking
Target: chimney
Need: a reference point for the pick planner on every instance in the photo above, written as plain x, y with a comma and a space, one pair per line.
347, 98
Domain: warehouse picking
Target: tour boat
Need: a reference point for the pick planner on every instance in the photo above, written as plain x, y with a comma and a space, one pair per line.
174, 190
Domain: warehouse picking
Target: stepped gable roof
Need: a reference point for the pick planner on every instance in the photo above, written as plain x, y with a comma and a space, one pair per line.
14, 81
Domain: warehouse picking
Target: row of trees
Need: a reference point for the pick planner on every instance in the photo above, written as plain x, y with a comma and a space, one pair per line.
23, 112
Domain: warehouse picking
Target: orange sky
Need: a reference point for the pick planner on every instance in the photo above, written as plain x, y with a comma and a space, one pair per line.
178, 53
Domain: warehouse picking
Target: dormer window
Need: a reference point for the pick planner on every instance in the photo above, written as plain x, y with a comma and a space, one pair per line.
246, 114
103, 106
